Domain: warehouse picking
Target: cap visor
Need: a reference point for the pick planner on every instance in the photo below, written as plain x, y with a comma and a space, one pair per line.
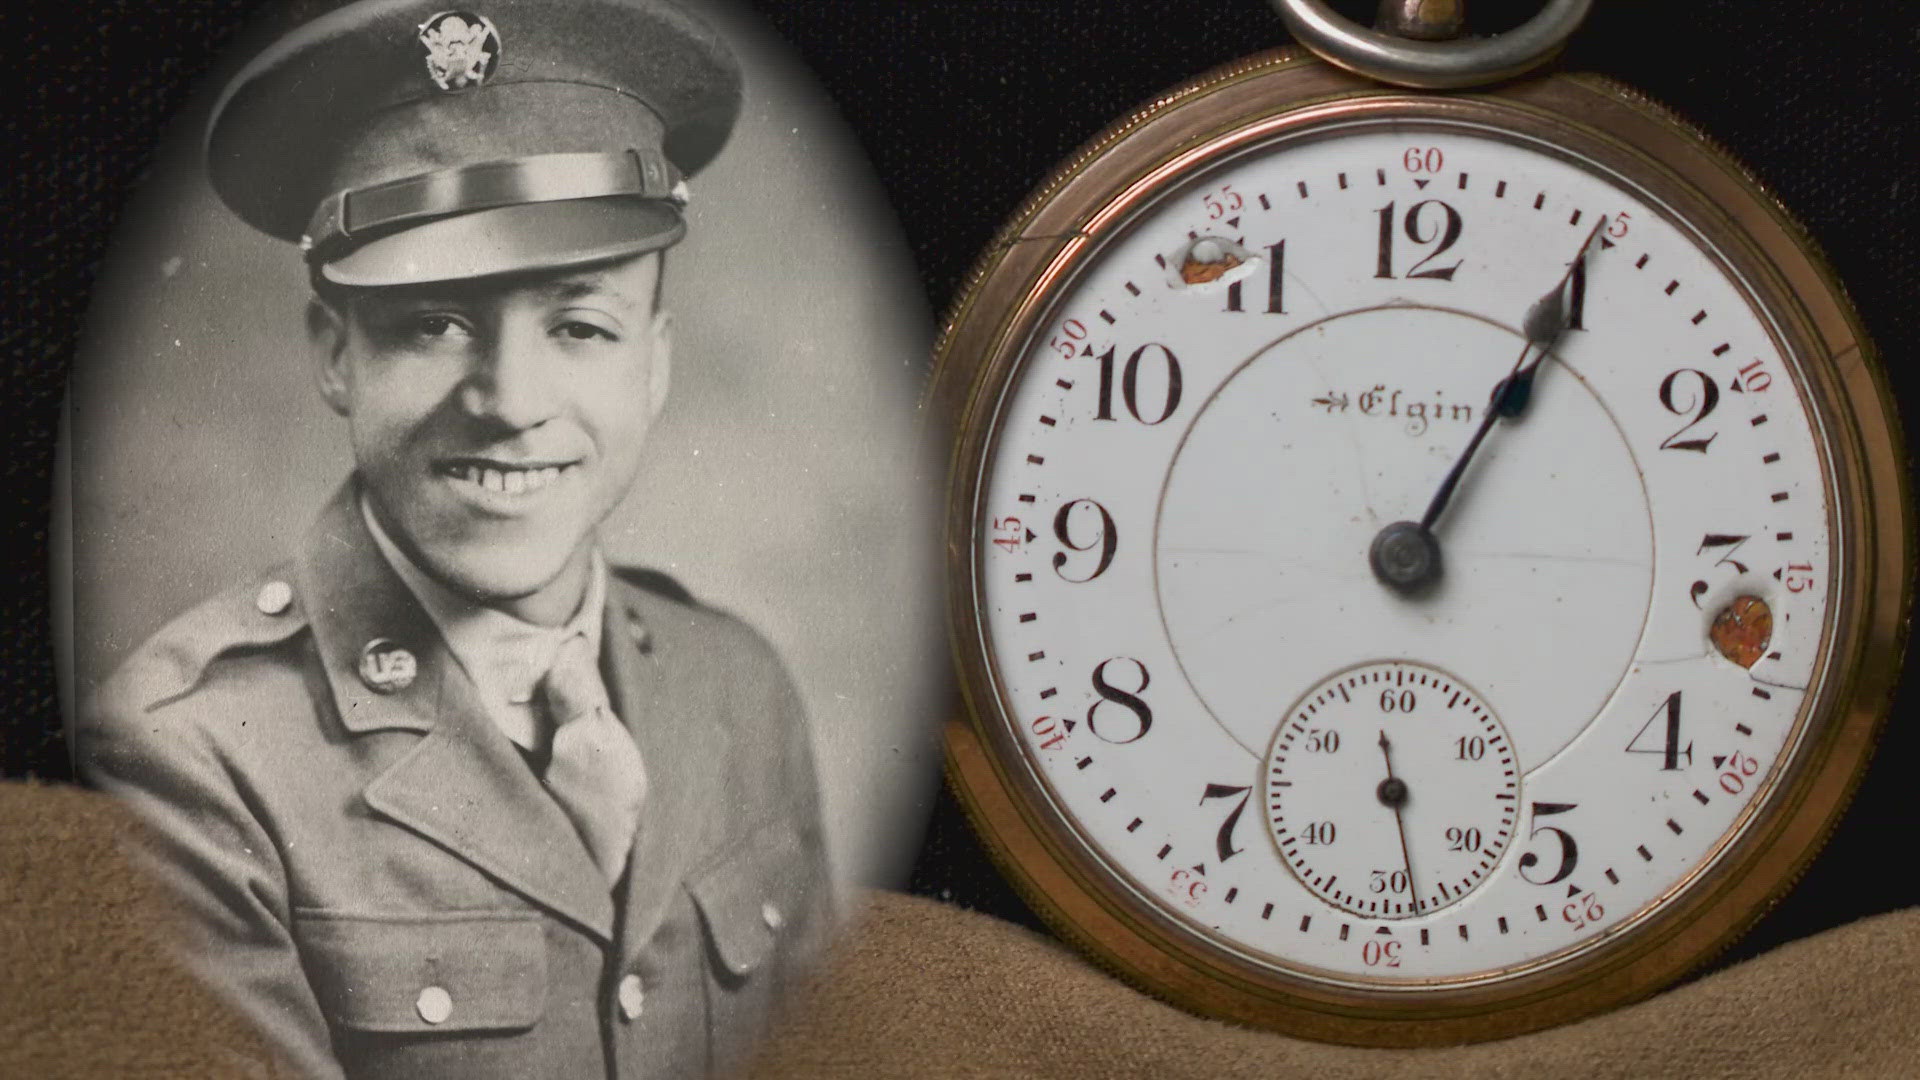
512, 239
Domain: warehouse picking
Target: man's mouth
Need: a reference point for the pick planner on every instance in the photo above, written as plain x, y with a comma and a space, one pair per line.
503, 477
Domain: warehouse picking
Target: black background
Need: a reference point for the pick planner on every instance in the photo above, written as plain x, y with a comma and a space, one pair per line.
963, 106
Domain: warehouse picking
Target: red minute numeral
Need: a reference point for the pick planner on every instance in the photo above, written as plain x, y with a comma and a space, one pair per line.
1067, 341
1047, 730
1755, 377
1377, 953
1799, 577
1009, 530
1423, 159
1619, 224
1739, 767
1222, 202
1187, 888
1582, 911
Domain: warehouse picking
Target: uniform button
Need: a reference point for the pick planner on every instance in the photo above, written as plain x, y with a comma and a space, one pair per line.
633, 997
434, 1005
770, 914
274, 598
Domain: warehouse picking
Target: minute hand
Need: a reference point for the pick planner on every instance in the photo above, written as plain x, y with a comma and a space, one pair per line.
1546, 322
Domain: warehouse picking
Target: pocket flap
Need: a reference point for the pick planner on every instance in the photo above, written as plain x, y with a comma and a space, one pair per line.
454, 971
740, 894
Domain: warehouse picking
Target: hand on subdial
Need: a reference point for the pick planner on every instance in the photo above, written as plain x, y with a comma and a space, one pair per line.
1393, 793
1405, 555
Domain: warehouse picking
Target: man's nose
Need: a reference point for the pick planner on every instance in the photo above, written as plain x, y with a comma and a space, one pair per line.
512, 380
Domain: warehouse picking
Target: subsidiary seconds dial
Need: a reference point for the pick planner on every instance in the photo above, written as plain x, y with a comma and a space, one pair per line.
1399, 823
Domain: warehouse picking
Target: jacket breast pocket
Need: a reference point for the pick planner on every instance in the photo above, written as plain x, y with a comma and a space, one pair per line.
462, 971
754, 899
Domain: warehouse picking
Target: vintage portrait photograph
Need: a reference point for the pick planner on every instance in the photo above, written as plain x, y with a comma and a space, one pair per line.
500, 536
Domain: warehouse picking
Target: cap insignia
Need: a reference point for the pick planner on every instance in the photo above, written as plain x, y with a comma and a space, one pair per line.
462, 49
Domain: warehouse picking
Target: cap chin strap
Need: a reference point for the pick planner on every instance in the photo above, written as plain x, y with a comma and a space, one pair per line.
352, 216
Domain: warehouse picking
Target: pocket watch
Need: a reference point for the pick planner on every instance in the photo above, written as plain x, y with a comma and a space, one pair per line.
1428, 546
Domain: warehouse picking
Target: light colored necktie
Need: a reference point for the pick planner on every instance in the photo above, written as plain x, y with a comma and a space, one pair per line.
595, 772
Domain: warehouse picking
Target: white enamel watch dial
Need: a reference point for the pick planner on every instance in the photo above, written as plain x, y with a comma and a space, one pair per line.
1213, 711
1208, 467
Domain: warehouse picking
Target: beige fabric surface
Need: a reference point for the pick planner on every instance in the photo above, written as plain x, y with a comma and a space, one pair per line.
85, 990
925, 989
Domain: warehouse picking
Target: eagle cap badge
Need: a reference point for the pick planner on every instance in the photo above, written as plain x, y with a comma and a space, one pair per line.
462, 49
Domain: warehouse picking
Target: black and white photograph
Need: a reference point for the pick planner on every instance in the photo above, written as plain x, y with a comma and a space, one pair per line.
499, 536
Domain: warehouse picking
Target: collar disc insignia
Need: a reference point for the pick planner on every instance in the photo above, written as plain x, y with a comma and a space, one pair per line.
386, 666
462, 49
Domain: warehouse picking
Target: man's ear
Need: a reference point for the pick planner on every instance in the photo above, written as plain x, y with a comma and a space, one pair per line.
661, 375
327, 346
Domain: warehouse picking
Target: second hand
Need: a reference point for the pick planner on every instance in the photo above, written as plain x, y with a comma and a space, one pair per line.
1393, 792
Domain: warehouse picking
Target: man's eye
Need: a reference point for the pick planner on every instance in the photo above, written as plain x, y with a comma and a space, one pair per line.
582, 331
436, 326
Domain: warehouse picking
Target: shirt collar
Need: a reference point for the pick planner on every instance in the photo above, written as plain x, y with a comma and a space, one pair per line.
505, 656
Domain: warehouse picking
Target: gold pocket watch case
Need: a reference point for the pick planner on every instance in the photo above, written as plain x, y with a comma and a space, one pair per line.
1423, 567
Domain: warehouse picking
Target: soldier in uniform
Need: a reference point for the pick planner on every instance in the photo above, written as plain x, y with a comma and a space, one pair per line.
446, 795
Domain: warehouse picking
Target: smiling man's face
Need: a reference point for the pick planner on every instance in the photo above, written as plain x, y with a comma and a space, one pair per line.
495, 423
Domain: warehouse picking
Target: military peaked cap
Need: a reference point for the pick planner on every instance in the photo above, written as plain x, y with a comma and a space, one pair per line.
400, 142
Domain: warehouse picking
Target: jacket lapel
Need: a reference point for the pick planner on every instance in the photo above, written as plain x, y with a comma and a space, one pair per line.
463, 786
682, 740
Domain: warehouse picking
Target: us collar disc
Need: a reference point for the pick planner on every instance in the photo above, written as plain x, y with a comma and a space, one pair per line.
387, 667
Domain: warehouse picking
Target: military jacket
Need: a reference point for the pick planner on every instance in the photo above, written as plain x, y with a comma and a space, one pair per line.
373, 873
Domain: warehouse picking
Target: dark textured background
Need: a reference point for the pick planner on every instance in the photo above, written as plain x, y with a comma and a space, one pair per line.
963, 105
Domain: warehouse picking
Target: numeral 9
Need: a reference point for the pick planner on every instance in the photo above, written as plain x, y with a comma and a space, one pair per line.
1106, 538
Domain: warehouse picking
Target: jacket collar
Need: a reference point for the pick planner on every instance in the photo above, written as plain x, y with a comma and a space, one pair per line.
353, 600
504, 656
463, 786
